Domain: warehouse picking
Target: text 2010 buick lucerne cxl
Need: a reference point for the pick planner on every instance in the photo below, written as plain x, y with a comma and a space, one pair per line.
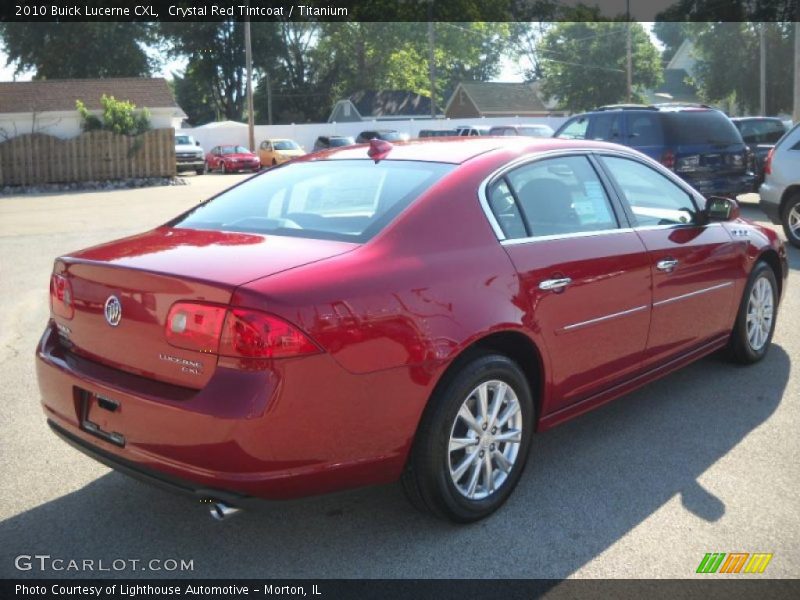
411, 311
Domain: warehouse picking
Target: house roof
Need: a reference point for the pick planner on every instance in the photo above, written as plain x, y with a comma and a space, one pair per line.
503, 98
683, 58
61, 94
390, 103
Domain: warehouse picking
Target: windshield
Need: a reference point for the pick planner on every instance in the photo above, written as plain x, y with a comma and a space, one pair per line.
233, 150
700, 127
349, 200
285, 145
184, 140
343, 141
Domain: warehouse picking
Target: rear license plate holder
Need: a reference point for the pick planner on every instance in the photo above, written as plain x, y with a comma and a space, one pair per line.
100, 417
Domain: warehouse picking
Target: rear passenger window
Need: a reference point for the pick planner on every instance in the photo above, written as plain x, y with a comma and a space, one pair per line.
605, 127
560, 196
644, 130
654, 199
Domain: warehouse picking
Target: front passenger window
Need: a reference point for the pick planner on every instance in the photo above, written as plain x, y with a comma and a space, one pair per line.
654, 199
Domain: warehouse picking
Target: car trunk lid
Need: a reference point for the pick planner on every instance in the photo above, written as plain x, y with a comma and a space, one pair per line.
148, 273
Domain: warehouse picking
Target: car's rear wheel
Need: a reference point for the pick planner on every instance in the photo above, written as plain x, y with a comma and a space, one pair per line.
200, 171
755, 321
473, 441
791, 220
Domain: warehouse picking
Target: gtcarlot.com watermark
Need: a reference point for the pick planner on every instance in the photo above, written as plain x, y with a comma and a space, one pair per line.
42, 563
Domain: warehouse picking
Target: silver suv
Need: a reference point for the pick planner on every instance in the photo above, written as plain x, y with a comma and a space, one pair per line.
780, 192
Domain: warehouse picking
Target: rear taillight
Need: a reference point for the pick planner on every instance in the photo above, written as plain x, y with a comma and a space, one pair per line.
668, 159
234, 332
253, 334
768, 162
61, 296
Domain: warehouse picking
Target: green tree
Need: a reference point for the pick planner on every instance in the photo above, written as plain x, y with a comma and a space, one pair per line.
584, 63
215, 68
78, 50
727, 67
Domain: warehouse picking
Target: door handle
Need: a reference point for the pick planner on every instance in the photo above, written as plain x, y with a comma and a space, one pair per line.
668, 264
555, 284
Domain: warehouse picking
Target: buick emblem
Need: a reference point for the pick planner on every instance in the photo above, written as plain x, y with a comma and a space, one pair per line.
113, 311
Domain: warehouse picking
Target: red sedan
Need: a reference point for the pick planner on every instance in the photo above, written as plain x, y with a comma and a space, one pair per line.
231, 159
412, 312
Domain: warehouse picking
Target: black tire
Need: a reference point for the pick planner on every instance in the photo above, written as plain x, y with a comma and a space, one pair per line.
200, 171
427, 478
274, 162
740, 348
792, 204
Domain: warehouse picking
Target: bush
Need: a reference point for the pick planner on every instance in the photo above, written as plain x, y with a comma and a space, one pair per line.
119, 116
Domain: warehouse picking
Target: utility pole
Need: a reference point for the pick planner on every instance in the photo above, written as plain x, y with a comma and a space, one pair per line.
628, 57
796, 112
431, 62
269, 97
762, 91
248, 52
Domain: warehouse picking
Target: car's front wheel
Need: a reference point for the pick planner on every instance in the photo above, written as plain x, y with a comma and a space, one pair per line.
791, 220
755, 321
473, 441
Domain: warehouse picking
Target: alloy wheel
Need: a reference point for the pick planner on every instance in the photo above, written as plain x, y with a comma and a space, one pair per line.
485, 440
760, 308
793, 220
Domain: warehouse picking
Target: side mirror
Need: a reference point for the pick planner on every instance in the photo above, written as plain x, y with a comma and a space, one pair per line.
719, 208
197, 143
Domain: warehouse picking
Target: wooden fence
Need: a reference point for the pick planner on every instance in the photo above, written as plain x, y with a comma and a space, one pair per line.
94, 156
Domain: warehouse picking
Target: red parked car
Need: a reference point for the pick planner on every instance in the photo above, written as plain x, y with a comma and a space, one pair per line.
231, 159
413, 311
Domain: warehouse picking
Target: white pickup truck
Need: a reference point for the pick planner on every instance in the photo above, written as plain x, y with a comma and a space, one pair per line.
189, 156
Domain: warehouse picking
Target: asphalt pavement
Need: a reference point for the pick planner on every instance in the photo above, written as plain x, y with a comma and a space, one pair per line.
704, 460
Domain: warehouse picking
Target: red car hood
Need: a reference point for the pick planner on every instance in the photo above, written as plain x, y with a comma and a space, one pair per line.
240, 156
217, 256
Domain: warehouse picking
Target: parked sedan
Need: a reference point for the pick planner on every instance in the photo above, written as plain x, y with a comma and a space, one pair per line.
780, 192
324, 325
231, 159
276, 152
324, 142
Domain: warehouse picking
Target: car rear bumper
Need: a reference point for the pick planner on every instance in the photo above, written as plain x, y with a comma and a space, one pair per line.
730, 185
770, 201
274, 434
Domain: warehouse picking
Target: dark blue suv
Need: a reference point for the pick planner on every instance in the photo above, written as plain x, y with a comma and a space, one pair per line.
699, 143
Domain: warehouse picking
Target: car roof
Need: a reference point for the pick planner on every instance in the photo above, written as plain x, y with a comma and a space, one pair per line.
456, 150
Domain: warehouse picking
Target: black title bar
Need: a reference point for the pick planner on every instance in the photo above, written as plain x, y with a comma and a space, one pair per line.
398, 10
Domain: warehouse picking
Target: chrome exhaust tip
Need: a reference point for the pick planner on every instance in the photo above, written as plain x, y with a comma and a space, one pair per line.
221, 511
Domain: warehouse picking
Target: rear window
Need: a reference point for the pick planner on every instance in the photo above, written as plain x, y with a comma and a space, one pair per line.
348, 200
348, 141
761, 131
285, 145
700, 127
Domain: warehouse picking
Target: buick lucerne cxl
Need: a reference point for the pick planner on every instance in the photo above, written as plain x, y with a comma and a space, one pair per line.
411, 311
